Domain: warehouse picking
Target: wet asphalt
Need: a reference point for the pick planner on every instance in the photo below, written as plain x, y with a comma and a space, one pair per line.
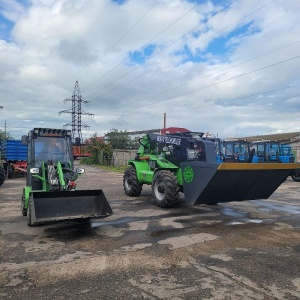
236, 250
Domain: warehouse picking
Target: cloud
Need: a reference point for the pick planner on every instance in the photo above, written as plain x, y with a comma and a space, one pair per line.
76, 52
12, 10
198, 62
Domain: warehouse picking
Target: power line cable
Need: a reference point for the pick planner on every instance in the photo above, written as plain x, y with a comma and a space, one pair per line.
213, 84
253, 12
120, 39
188, 32
241, 98
156, 53
217, 102
207, 105
143, 45
150, 57
206, 76
225, 80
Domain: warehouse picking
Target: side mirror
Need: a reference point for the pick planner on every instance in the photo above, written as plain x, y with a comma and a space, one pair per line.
24, 140
79, 170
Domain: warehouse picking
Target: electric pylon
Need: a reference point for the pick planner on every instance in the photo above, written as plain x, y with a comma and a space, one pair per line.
76, 112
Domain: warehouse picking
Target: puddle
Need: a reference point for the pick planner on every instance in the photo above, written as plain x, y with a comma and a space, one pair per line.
232, 213
267, 207
235, 223
247, 221
115, 222
187, 240
254, 221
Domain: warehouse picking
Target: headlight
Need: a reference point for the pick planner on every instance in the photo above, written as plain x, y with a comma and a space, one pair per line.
34, 170
79, 170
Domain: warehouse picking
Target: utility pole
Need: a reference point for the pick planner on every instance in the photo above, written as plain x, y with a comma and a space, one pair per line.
1, 107
76, 112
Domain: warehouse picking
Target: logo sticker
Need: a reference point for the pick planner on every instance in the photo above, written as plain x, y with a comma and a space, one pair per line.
188, 174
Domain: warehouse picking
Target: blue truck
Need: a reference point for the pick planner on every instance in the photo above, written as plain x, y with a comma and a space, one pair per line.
14, 156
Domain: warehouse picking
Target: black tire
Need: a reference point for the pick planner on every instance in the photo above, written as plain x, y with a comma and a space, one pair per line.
9, 171
23, 209
296, 175
29, 220
2, 176
132, 186
165, 189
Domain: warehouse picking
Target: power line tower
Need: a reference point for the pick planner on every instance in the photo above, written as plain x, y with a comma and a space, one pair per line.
76, 112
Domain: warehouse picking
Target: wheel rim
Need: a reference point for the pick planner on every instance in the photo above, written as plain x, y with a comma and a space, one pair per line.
159, 190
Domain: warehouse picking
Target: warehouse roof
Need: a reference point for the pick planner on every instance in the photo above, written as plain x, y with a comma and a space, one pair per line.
282, 137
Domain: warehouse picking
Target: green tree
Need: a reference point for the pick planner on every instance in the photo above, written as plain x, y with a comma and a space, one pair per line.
101, 153
4, 137
119, 139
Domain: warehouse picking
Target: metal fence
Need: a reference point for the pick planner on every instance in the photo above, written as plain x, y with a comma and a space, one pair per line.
296, 151
121, 157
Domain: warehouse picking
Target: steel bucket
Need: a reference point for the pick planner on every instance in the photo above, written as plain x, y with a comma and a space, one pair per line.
68, 205
210, 183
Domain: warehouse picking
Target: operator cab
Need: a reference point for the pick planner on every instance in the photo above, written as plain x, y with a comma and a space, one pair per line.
237, 151
48, 147
272, 151
52, 149
191, 150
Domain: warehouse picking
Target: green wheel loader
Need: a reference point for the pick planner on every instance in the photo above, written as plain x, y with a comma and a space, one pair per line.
50, 193
188, 164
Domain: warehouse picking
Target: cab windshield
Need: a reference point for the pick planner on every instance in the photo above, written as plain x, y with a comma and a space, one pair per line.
51, 149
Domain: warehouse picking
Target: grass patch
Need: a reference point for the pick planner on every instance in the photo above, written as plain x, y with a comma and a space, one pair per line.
119, 169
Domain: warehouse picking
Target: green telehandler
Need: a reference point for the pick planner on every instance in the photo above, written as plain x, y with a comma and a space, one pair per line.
50, 193
187, 163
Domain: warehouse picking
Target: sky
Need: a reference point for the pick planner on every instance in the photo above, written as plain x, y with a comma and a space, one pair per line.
227, 67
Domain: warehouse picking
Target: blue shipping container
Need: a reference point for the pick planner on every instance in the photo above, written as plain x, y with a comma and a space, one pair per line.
13, 150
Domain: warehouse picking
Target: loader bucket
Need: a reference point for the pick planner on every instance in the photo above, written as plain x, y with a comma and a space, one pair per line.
68, 205
210, 183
